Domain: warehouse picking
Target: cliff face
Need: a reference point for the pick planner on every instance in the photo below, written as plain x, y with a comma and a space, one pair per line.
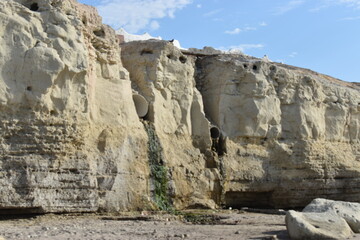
288, 135
165, 77
220, 129
70, 135
293, 134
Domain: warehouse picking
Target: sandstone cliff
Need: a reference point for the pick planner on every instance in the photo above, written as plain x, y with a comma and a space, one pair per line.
294, 134
70, 135
220, 129
288, 135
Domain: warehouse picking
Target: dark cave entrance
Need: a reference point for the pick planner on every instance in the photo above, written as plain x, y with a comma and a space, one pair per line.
239, 200
34, 7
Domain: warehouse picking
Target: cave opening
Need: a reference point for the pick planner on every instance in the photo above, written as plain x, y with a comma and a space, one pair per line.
238, 200
20, 212
182, 59
99, 33
34, 7
218, 141
146, 51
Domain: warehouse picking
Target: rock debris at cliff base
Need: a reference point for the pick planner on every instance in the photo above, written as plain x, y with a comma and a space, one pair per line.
72, 138
232, 226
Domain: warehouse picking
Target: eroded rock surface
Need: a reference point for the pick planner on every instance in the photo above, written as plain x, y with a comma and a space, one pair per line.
349, 211
316, 226
293, 134
220, 129
324, 219
70, 136
163, 75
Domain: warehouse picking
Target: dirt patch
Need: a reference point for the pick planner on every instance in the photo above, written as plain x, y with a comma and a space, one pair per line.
200, 225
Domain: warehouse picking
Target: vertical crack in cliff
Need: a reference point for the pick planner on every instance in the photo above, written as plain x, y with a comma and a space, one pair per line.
219, 139
158, 170
223, 181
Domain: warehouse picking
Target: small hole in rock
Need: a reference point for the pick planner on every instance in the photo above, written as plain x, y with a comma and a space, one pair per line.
273, 68
29, 88
254, 67
146, 51
99, 33
169, 56
182, 59
84, 20
53, 112
34, 7
245, 66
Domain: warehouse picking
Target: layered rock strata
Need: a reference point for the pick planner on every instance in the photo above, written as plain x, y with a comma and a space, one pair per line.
70, 135
87, 125
164, 76
293, 133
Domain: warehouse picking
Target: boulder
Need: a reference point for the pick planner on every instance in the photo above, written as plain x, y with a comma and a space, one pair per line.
317, 226
349, 211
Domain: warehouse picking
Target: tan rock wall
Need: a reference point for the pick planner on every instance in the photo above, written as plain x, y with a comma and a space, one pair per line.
70, 136
71, 140
165, 77
293, 133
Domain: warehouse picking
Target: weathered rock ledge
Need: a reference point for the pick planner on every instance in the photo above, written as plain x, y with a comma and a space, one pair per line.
213, 129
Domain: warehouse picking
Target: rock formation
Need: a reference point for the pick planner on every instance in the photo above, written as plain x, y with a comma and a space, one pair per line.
349, 211
88, 125
317, 226
70, 136
294, 133
324, 219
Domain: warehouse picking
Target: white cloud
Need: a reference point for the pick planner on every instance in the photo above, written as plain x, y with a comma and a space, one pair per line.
350, 18
249, 29
263, 24
217, 19
318, 8
154, 25
136, 15
239, 30
293, 54
351, 3
329, 3
212, 13
199, 6
288, 7
233, 32
241, 48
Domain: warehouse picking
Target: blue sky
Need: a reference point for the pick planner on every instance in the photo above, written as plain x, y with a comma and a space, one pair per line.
322, 35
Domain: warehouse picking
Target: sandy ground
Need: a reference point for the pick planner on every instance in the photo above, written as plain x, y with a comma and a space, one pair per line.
199, 225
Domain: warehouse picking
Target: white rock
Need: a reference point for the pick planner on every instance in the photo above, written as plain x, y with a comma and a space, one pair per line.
316, 226
349, 211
